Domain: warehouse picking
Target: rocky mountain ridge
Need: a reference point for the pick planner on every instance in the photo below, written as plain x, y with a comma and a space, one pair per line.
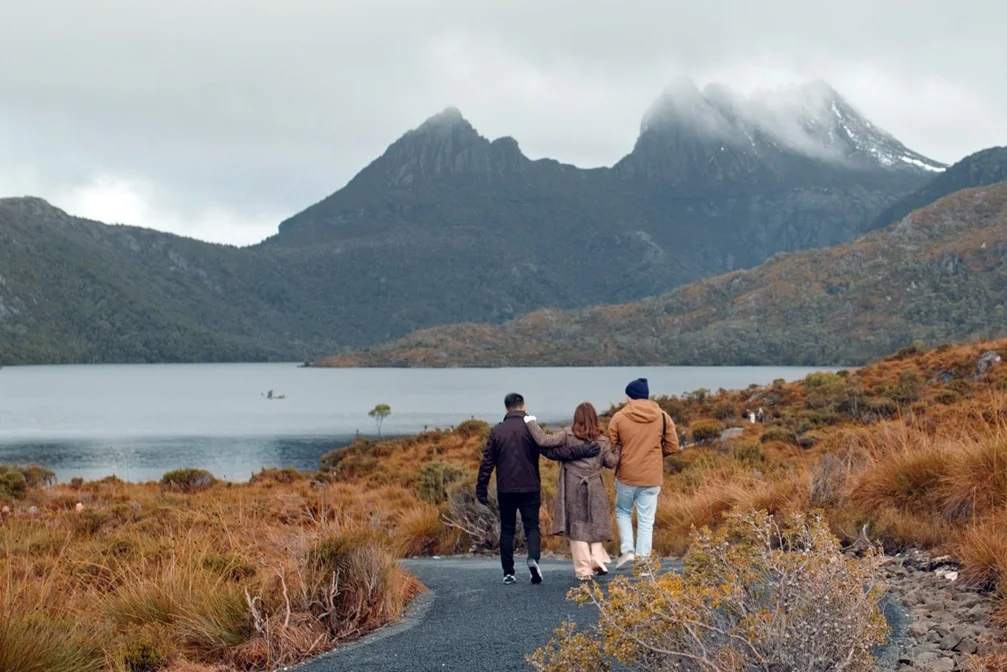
937, 275
450, 227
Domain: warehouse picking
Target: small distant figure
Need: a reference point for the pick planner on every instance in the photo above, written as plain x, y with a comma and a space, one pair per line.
33, 511
79, 507
270, 395
760, 416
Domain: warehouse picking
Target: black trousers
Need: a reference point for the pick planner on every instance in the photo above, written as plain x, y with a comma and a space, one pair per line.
528, 504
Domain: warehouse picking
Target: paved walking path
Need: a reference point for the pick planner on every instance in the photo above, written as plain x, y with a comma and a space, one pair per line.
470, 621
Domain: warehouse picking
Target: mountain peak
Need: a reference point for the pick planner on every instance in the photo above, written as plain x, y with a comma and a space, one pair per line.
811, 121
448, 118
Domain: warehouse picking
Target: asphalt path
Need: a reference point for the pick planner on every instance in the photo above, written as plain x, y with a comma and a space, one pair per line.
469, 621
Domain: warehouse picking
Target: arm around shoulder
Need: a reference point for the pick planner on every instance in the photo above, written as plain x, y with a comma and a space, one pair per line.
609, 457
544, 439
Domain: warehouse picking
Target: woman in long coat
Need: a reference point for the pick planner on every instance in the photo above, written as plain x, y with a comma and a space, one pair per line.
582, 511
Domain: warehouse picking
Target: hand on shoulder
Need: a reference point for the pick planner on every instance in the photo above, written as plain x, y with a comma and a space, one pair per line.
530, 418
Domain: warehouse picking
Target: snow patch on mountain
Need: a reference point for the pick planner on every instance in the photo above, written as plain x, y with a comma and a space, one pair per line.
812, 119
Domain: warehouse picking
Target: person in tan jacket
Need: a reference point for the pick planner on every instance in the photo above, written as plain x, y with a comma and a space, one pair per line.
643, 435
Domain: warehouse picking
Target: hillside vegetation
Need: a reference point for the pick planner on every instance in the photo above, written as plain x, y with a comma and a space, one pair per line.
937, 275
191, 573
449, 227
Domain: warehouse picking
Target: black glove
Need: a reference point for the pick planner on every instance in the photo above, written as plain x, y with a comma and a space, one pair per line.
482, 498
587, 450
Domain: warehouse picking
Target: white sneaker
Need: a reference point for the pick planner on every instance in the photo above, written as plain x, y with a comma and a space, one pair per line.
626, 559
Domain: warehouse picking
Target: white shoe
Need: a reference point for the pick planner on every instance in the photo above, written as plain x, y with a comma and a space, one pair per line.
626, 559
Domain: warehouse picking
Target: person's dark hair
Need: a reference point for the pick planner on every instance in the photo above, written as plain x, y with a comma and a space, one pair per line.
513, 401
585, 423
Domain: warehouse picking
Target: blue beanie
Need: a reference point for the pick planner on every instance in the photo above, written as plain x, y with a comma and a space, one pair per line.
638, 389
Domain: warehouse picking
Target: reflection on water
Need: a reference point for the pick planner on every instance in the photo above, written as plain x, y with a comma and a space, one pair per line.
234, 459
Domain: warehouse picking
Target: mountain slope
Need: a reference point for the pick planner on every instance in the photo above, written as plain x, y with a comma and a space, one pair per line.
447, 227
977, 170
939, 274
73, 290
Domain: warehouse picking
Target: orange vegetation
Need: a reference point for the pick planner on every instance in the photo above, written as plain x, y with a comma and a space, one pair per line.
911, 450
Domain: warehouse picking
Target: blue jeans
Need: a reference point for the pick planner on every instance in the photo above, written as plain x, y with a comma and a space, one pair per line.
645, 500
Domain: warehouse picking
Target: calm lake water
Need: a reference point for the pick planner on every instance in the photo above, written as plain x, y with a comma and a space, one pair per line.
139, 421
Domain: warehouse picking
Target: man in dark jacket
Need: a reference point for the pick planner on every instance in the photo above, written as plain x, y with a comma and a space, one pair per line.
514, 454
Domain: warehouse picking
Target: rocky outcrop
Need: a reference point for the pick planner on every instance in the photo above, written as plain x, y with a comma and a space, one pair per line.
941, 621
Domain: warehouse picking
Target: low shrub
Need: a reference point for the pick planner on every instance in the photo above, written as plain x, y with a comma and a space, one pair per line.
679, 410
286, 475
947, 397
724, 410
473, 428
750, 455
188, 481
13, 485
147, 651
353, 585
230, 566
758, 594
36, 476
479, 524
779, 435
705, 432
431, 485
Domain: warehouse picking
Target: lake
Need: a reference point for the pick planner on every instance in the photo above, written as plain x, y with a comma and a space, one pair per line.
139, 421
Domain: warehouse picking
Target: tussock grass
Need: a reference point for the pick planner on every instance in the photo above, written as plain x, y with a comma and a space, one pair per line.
257, 575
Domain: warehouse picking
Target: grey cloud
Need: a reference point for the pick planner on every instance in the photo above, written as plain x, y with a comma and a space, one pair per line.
259, 108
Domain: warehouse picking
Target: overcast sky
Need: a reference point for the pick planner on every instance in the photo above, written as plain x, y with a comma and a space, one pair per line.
219, 118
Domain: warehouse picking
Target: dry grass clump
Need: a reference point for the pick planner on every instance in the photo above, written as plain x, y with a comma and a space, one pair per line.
251, 576
227, 578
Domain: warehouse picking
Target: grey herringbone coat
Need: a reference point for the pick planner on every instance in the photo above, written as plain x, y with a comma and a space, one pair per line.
582, 510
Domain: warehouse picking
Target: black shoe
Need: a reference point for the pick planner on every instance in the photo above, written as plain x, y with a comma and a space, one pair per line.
536, 573
509, 579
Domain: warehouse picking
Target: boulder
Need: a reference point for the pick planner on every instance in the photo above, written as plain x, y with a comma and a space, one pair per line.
987, 361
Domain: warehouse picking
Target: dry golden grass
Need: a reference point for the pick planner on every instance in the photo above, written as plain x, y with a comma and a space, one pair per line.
908, 452
146, 579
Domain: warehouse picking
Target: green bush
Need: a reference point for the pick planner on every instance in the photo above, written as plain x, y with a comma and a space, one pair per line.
780, 435
230, 566
749, 454
145, 652
724, 410
947, 397
36, 476
12, 483
286, 475
188, 481
705, 432
473, 427
962, 387
676, 408
884, 407
431, 485
910, 387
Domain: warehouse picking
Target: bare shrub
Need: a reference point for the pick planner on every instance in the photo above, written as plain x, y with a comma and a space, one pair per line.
757, 594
